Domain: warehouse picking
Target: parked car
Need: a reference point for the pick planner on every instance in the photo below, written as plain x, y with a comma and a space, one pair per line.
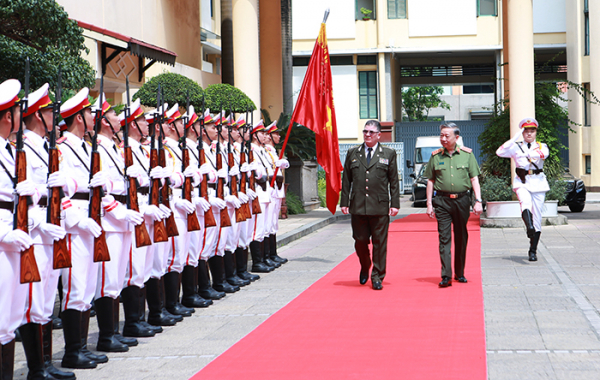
576, 193
419, 188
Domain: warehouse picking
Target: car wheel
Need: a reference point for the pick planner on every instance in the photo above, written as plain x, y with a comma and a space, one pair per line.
576, 207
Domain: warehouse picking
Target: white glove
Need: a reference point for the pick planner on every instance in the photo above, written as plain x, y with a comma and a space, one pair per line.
26, 188
232, 201
184, 205
53, 231
217, 203
90, 225
251, 194
101, 179
135, 171
282, 164
234, 171
131, 216
154, 213
206, 168
57, 179
254, 165
245, 168
165, 210
202, 203
193, 173
18, 239
175, 178
517, 135
243, 197
222, 173
158, 172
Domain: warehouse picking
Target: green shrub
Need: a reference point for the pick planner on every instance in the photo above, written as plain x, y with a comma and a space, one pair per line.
322, 189
223, 96
496, 189
175, 89
558, 189
294, 204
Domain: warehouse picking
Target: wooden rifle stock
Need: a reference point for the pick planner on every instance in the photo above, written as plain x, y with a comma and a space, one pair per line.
239, 212
160, 231
29, 268
142, 237
192, 219
209, 218
225, 220
100, 247
61, 257
251, 182
243, 183
170, 222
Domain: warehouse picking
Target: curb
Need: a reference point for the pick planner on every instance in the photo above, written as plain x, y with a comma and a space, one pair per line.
309, 228
518, 222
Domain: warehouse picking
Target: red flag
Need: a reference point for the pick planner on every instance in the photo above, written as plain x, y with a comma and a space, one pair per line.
316, 111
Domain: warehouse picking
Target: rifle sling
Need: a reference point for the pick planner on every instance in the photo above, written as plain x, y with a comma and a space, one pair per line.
112, 159
36, 153
77, 155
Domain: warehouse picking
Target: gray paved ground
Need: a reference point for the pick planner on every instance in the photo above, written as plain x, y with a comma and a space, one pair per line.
542, 319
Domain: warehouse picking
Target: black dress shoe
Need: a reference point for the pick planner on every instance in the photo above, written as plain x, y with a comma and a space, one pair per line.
446, 282
131, 342
211, 294
377, 285
261, 268
248, 276
57, 323
110, 344
225, 287
532, 256
363, 278
461, 279
237, 281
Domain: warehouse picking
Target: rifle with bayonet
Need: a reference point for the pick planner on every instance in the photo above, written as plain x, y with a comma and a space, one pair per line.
29, 269
244, 175
142, 238
225, 220
96, 193
164, 192
160, 231
192, 219
233, 184
252, 180
209, 218
61, 256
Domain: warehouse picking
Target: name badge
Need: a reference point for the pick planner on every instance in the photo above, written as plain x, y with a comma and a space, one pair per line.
384, 161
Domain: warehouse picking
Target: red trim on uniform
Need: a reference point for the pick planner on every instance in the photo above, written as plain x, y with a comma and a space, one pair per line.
254, 232
173, 257
111, 206
103, 275
130, 265
66, 204
204, 240
6, 106
69, 282
218, 240
43, 102
28, 312
85, 103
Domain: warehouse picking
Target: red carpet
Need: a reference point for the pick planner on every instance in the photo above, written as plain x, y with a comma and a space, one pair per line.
338, 329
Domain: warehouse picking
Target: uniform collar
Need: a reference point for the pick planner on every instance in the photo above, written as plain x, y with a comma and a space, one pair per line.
34, 137
456, 150
374, 147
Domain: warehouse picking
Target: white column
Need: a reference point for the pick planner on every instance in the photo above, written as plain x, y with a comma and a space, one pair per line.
574, 16
594, 6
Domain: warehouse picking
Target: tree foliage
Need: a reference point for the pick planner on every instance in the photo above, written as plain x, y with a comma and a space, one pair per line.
301, 143
175, 88
42, 31
418, 101
223, 96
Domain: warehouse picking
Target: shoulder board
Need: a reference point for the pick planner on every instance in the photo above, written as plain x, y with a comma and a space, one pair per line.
437, 151
465, 149
14, 143
121, 144
61, 140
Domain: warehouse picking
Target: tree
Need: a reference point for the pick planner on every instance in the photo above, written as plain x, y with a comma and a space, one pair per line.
175, 89
417, 101
225, 97
42, 31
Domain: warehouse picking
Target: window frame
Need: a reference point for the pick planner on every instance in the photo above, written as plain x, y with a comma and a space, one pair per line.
368, 96
495, 9
396, 17
586, 27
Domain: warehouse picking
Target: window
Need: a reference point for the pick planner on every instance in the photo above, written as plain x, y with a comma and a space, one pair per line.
588, 164
478, 89
367, 91
367, 4
341, 60
487, 8
300, 61
587, 111
396, 9
367, 60
586, 15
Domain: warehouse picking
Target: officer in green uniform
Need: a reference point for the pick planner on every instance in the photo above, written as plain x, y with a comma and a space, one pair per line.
369, 184
452, 171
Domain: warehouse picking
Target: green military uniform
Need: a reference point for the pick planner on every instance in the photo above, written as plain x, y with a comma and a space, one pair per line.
369, 190
451, 176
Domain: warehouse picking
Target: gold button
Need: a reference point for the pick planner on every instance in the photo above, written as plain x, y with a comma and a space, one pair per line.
367, 195
367, 172
367, 188
367, 180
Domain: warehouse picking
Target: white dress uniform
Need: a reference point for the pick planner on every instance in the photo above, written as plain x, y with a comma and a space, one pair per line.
193, 252
245, 236
277, 193
262, 220
233, 233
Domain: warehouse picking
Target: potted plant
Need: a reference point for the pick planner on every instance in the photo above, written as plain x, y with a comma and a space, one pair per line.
366, 13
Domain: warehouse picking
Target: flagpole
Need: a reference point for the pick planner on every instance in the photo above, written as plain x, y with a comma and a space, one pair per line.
287, 135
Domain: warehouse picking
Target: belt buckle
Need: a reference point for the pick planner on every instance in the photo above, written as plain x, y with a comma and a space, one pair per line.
530, 172
453, 196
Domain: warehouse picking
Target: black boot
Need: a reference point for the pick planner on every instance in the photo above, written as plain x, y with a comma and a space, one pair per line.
266, 248
47, 352
163, 300
204, 288
156, 317
107, 342
273, 248
528, 219
230, 273
56, 323
142, 313
131, 305
257, 259
31, 333
215, 264
74, 356
533, 243
7, 360
189, 285
130, 342
172, 295
85, 326
241, 264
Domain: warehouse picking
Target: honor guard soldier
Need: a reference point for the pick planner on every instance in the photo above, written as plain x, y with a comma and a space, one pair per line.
452, 171
79, 282
530, 182
36, 331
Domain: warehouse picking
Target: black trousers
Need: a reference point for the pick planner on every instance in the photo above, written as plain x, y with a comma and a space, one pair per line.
448, 212
366, 229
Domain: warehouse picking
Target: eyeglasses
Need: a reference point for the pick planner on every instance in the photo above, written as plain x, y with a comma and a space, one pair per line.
367, 132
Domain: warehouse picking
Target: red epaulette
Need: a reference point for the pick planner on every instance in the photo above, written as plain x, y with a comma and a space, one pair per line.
14, 142
61, 140
121, 144
440, 150
465, 149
